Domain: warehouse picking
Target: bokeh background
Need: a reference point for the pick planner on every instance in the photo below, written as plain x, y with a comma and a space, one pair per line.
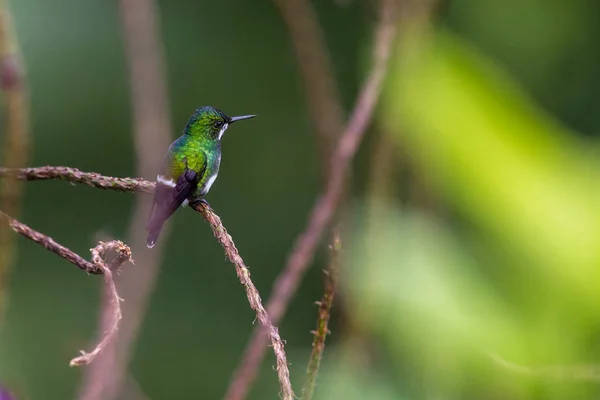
471, 258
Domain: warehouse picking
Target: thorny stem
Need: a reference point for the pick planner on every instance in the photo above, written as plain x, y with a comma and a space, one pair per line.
97, 266
16, 128
318, 345
324, 208
140, 185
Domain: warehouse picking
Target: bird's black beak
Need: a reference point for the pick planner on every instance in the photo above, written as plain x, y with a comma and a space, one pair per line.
241, 117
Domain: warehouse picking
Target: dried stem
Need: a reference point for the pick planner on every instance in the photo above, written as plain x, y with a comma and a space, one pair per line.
320, 87
50, 244
97, 266
322, 94
98, 258
140, 27
139, 185
16, 128
318, 345
324, 209
253, 296
74, 175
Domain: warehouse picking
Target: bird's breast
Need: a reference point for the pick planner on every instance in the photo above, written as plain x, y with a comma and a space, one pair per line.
209, 182
212, 170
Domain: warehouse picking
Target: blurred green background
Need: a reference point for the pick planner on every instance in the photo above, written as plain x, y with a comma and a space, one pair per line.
485, 245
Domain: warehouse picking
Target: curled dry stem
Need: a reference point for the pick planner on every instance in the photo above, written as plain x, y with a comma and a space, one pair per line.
123, 254
97, 266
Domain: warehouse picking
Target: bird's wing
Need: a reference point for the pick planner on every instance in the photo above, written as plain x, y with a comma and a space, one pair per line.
169, 195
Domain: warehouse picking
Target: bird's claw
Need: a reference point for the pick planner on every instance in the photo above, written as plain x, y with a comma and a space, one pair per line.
196, 202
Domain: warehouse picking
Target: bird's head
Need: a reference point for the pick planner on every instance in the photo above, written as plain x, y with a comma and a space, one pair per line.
210, 123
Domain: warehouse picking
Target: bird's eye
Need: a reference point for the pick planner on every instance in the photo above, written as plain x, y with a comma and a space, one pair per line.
218, 124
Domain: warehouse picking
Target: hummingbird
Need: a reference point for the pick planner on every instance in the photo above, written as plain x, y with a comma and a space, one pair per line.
190, 166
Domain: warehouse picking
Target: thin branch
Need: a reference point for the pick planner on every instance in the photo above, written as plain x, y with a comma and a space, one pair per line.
74, 175
50, 245
140, 29
97, 266
318, 345
16, 128
253, 296
139, 185
322, 94
324, 209
320, 88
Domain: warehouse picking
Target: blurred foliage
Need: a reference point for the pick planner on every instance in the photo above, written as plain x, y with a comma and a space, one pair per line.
498, 297
495, 118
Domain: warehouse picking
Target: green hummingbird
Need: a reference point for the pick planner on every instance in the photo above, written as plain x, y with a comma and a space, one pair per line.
190, 166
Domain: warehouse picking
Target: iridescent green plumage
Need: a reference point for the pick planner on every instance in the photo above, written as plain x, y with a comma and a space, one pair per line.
198, 149
190, 166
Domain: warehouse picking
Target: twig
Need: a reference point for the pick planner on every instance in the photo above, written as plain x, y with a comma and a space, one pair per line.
74, 175
324, 209
16, 146
322, 94
320, 87
50, 244
97, 266
98, 258
253, 296
318, 345
140, 27
139, 185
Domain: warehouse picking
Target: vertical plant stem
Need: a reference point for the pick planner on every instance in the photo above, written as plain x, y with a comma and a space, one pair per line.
325, 106
318, 345
383, 164
16, 140
152, 136
321, 90
325, 206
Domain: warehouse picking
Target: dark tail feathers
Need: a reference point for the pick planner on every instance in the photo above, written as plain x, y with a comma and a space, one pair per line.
154, 227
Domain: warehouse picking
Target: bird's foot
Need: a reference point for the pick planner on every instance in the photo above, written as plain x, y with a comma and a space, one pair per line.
197, 202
